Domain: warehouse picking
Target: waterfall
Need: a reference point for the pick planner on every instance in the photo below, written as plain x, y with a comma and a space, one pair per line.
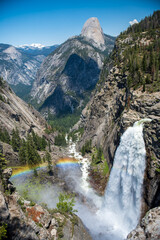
122, 199
114, 215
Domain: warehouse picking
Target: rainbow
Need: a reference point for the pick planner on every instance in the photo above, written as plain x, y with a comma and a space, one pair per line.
67, 162
21, 170
62, 162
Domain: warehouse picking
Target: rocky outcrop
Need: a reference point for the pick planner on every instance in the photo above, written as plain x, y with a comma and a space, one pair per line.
26, 220
10, 155
15, 113
149, 227
69, 74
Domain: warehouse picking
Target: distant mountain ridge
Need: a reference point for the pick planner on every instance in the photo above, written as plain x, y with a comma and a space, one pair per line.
20, 64
68, 74
37, 49
33, 46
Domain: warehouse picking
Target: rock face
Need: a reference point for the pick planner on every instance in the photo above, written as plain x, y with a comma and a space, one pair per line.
149, 227
10, 155
19, 65
101, 117
15, 113
69, 74
94, 32
108, 115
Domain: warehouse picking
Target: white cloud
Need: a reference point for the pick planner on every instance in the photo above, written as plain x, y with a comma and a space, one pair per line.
133, 22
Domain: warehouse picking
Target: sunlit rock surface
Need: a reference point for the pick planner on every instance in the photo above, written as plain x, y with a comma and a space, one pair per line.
93, 31
149, 227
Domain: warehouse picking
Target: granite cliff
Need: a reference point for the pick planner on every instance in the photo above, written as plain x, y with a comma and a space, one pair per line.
15, 113
93, 31
68, 74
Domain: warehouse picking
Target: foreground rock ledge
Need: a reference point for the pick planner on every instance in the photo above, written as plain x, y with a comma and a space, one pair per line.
149, 227
25, 221
29, 221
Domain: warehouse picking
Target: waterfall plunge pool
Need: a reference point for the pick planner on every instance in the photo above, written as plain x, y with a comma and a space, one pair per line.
112, 216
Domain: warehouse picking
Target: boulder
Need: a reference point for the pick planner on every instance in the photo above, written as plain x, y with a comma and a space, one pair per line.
149, 227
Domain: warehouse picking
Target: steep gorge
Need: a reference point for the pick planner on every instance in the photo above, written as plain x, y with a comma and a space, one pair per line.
122, 98
20, 218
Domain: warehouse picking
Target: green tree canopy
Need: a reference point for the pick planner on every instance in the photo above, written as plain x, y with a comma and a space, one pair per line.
66, 203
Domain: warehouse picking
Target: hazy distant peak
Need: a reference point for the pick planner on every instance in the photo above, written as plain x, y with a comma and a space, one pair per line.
37, 45
13, 53
93, 31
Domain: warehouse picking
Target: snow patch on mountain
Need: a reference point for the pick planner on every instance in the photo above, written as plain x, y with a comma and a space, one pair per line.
31, 46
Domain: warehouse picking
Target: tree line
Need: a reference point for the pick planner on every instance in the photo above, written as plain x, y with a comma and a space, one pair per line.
139, 58
27, 148
148, 23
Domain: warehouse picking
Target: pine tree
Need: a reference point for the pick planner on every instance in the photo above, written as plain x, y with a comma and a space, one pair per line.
83, 150
144, 63
35, 139
152, 64
43, 143
7, 137
33, 158
48, 159
16, 141
157, 70
22, 153
39, 142
4, 136
99, 154
3, 163
49, 146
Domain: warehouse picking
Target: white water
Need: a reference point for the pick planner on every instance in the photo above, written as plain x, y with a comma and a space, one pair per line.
121, 204
113, 216
84, 164
83, 185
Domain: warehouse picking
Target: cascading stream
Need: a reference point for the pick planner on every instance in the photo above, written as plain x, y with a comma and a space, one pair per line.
83, 184
121, 204
84, 164
114, 215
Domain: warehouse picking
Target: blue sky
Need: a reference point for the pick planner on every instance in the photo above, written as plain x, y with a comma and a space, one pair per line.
52, 22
